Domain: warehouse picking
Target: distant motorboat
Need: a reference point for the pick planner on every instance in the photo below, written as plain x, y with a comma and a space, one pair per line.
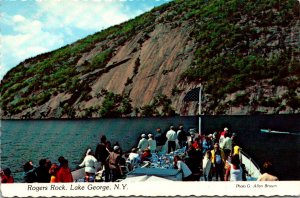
269, 131
273, 131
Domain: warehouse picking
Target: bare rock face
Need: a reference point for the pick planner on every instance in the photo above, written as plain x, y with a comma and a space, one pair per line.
147, 65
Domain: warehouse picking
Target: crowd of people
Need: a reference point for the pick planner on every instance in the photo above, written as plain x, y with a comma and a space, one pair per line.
206, 157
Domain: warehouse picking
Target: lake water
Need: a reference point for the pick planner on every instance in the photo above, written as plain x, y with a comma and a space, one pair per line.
36, 139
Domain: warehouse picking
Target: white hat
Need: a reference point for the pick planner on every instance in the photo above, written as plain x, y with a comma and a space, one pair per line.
150, 135
225, 129
143, 135
210, 135
88, 151
116, 148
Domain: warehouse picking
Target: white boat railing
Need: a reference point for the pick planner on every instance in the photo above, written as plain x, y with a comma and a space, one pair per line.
251, 166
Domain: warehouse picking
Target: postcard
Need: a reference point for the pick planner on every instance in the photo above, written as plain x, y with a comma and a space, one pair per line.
150, 98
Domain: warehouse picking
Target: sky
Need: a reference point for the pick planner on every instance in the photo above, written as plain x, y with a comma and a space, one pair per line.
32, 27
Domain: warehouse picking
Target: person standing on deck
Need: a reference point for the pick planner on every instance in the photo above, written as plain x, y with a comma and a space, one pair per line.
215, 138
114, 163
234, 171
151, 143
218, 161
171, 137
222, 137
42, 172
101, 155
182, 136
160, 140
64, 173
227, 146
207, 144
206, 166
143, 143
89, 163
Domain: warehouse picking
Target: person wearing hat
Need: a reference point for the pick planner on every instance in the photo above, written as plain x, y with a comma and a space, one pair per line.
114, 163
143, 143
151, 143
89, 163
222, 137
171, 137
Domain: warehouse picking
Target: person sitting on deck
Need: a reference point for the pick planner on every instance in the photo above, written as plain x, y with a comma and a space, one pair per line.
143, 143
133, 158
89, 163
234, 171
151, 143
64, 172
268, 173
171, 137
114, 163
181, 166
6, 176
146, 156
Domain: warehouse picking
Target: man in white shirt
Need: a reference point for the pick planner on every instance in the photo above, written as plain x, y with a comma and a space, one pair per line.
227, 146
171, 138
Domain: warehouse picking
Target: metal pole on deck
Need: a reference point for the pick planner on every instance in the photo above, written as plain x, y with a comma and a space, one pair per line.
200, 101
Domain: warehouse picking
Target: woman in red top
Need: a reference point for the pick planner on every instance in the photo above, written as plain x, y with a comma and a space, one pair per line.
64, 173
6, 177
196, 144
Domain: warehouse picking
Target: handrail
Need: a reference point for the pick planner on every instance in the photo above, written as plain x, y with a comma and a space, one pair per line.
247, 156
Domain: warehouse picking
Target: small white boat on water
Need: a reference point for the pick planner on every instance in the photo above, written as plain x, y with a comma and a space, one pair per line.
269, 131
